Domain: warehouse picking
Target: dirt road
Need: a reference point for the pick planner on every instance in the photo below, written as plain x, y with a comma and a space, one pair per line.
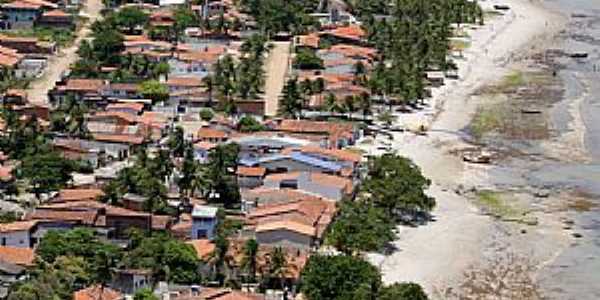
38, 89
276, 69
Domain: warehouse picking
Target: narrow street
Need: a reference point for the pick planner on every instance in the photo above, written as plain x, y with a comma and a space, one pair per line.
57, 64
276, 70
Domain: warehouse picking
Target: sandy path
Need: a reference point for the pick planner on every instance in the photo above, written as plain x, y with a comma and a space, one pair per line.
277, 66
38, 89
438, 253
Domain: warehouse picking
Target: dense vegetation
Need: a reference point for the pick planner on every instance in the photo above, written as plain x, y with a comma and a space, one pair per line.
416, 39
71, 260
274, 16
349, 277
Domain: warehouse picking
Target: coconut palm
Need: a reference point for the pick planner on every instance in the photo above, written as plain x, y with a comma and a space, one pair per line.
249, 260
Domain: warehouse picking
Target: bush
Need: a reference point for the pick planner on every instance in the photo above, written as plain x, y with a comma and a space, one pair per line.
307, 60
249, 124
206, 114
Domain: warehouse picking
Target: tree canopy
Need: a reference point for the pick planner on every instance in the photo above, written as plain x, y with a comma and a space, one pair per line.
339, 277
360, 226
395, 184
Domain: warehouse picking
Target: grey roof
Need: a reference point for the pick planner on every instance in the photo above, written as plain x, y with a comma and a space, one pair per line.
204, 211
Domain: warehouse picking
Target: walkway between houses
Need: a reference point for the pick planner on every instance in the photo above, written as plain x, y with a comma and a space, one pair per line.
276, 70
58, 64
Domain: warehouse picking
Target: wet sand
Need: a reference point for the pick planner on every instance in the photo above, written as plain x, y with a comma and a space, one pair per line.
441, 255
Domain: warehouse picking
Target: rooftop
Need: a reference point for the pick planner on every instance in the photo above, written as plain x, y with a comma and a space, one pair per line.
204, 211
17, 255
97, 292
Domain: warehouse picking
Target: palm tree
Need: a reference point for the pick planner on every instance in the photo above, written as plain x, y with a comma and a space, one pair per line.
365, 104
349, 105
291, 99
249, 261
209, 83
332, 105
277, 265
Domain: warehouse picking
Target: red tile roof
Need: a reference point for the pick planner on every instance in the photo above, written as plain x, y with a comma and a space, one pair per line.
309, 40
210, 133
354, 32
17, 255
17, 226
119, 138
204, 145
204, 248
138, 107
6, 173
87, 217
184, 82
353, 51
97, 292
287, 225
56, 13
127, 117
78, 194
83, 85
251, 171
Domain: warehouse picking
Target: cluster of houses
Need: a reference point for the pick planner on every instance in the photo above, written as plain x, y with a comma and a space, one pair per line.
291, 174
25, 56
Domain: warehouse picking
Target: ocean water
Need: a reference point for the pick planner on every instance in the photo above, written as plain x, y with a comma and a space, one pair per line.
575, 274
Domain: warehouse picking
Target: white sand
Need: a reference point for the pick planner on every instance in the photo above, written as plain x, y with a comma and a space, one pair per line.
439, 252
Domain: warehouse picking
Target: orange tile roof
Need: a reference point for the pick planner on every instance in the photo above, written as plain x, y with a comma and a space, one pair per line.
56, 13
353, 51
309, 209
87, 217
127, 117
138, 107
119, 138
79, 194
204, 145
184, 81
287, 225
22, 5
210, 133
83, 85
15, 92
332, 180
251, 171
17, 226
97, 292
223, 294
354, 32
9, 57
6, 173
204, 248
309, 40
160, 222
17, 255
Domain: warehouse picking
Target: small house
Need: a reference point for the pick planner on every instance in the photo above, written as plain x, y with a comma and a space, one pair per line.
204, 222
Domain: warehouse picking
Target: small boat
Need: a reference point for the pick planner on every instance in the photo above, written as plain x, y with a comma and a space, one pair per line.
578, 15
477, 157
501, 7
578, 54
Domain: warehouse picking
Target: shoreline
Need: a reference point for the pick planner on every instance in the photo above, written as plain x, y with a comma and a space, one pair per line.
438, 255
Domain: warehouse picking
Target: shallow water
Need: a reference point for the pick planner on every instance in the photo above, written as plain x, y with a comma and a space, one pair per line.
575, 274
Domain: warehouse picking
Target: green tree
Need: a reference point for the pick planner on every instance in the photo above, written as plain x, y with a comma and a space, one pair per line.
144, 294
291, 102
161, 68
249, 124
107, 46
221, 172
339, 277
99, 256
130, 18
360, 227
307, 60
154, 90
170, 259
249, 260
176, 142
397, 185
206, 114
402, 291
45, 172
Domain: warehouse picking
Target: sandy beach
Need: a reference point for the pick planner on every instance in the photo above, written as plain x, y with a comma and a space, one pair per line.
439, 254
